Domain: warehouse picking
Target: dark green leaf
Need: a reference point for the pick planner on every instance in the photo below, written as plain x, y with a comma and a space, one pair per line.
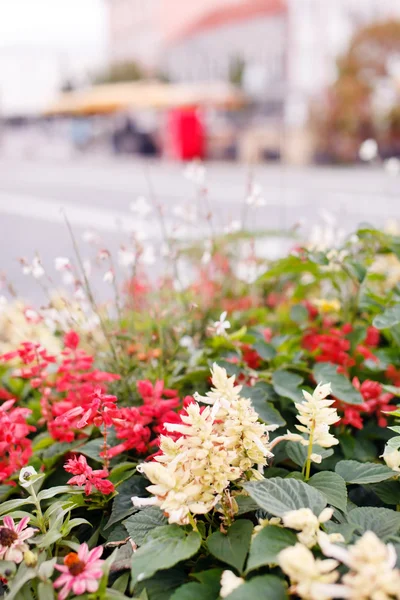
332, 486
122, 504
355, 472
165, 547
287, 384
279, 496
265, 410
265, 587
266, 546
298, 453
389, 318
232, 547
382, 521
266, 351
145, 520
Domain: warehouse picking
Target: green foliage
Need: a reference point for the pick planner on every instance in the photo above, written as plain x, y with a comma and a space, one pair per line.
279, 496
165, 547
232, 547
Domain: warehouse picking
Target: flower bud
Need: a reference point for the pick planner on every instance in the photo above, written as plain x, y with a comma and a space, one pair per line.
30, 558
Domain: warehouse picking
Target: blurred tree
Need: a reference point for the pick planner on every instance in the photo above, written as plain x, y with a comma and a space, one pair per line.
236, 70
349, 115
119, 72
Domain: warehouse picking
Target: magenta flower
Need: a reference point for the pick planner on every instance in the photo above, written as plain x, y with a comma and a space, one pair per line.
80, 572
12, 539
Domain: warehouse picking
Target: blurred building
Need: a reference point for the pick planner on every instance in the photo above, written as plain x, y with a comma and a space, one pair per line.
283, 52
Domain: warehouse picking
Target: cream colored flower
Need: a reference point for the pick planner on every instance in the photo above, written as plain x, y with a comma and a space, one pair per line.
315, 416
229, 583
262, 523
217, 445
311, 578
327, 306
372, 574
391, 456
307, 523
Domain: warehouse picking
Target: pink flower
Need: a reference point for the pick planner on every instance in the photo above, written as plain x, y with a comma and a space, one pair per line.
84, 475
12, 539
80, 572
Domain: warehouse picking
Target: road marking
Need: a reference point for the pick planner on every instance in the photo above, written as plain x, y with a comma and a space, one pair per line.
83, 215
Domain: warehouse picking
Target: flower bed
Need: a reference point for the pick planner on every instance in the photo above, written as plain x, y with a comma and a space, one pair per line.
231, 440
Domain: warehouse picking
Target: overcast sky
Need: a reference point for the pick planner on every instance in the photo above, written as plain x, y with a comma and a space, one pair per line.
45, 41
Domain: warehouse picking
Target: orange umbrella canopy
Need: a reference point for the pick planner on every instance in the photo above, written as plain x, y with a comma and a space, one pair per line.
110, 98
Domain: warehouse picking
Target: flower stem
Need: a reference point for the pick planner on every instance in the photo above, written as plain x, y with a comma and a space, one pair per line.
309, 452
193, 522
39, 513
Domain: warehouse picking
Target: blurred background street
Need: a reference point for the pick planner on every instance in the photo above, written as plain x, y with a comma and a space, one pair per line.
293, 106
95, 195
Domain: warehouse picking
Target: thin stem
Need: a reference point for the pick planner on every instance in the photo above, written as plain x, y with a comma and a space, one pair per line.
39, 513
309, 452
193, 522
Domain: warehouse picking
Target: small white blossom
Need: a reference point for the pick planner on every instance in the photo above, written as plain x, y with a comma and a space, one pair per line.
222, 324
254, 198
315, 416
310, 578
229, 583
148, 256
372, 573
35, 269
141, 207
91, 237
233, 227
307, 523
196, 173
108, 276
368, 150
391, 456
61, 263
25, 476
126, 257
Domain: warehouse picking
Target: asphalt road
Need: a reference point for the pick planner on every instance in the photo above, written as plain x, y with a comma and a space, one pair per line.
95, 194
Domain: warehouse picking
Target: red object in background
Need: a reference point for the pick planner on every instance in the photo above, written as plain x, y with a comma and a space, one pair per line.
185, 134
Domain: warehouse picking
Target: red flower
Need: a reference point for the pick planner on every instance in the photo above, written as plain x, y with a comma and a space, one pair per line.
85, 476
71, 340
15, 446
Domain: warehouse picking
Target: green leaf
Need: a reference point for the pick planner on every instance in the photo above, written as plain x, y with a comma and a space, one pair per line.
356, 472
266, 546
46, 591
207, 588
139, 524
47, 539
299, 314
332, 486
245, 504
59, 489
265, 587
387, 491
265, 410
92, 449
232, 547
6, 507
122, 503
382, 521
298, 453
287, 384
389, 318
266, 351
161, 588
342, 388
278, 496
165, 547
